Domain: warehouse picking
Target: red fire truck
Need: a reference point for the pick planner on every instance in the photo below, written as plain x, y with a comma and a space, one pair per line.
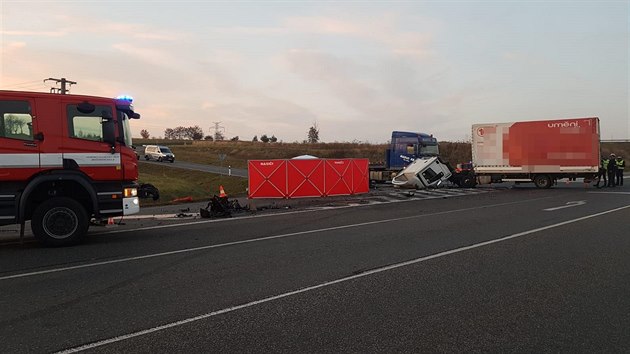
65, 159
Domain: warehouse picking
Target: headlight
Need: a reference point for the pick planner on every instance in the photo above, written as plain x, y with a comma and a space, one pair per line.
130, 192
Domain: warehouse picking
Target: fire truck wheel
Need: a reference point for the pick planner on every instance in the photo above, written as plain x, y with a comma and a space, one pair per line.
59, 221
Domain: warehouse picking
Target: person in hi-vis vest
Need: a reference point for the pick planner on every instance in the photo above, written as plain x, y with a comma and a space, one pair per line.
603, 166
621, 164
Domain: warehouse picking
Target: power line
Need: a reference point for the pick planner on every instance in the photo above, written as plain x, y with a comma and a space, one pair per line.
63, 83
26, 83
24, 86
217, 129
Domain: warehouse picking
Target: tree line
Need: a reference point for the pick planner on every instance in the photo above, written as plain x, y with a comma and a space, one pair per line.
196, 133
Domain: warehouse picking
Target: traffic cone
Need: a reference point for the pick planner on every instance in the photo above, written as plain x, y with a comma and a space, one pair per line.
110, 221
222, 192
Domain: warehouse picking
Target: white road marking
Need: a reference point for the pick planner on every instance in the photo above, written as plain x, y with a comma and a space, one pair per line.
567, 205
329, 283
187, 250
610, 192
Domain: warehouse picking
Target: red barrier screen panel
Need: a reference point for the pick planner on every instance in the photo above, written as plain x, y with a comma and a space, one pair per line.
360, 176
305, 178
267, 178
338, 177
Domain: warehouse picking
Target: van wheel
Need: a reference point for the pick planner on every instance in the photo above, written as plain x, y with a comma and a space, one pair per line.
146, 157
542, 181
160, 159
59, 221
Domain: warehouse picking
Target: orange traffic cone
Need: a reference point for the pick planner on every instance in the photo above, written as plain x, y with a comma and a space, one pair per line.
222, 192
110, 221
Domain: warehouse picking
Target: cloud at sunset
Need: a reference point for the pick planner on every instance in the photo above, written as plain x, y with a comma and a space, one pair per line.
360, 72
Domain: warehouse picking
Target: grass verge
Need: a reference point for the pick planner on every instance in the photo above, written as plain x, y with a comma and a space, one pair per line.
176, 183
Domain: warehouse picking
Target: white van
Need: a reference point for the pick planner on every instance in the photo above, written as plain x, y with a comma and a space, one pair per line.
159, 153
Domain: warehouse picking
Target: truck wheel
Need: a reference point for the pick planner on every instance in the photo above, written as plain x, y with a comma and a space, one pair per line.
542, 181
468, 181
59, 221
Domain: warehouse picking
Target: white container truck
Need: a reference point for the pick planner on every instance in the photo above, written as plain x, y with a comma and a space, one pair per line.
535, 151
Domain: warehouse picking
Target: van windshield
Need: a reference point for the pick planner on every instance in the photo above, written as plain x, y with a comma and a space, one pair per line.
165, 150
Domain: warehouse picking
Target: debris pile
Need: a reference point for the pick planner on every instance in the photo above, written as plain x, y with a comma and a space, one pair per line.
221, 207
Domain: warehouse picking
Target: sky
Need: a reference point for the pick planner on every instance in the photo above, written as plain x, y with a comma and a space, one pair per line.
356, 69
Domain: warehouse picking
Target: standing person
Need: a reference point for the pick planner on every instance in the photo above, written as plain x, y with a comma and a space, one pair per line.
612, 170
603, 166
621, 164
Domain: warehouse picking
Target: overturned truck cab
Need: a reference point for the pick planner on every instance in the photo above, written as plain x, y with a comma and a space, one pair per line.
424, 172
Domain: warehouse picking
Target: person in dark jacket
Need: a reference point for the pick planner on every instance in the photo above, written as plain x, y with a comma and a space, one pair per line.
612, 170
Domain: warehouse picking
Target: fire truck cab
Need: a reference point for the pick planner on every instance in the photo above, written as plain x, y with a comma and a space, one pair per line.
65, 159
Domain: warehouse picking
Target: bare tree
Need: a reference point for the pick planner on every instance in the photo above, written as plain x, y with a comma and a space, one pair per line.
145, 134
313, 134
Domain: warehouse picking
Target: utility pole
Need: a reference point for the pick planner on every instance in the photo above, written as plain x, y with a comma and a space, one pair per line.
63, 82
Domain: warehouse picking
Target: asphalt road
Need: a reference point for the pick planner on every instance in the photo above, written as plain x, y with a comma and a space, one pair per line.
514, 270
227, 171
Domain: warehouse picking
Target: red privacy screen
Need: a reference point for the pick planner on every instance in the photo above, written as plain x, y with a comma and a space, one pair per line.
307, 178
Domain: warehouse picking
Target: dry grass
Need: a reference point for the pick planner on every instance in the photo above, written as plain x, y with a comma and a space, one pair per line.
237, 153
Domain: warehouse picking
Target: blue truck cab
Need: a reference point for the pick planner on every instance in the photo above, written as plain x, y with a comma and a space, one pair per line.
405, 147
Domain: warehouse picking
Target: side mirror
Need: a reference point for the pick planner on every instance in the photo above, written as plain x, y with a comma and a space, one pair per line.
109, 132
